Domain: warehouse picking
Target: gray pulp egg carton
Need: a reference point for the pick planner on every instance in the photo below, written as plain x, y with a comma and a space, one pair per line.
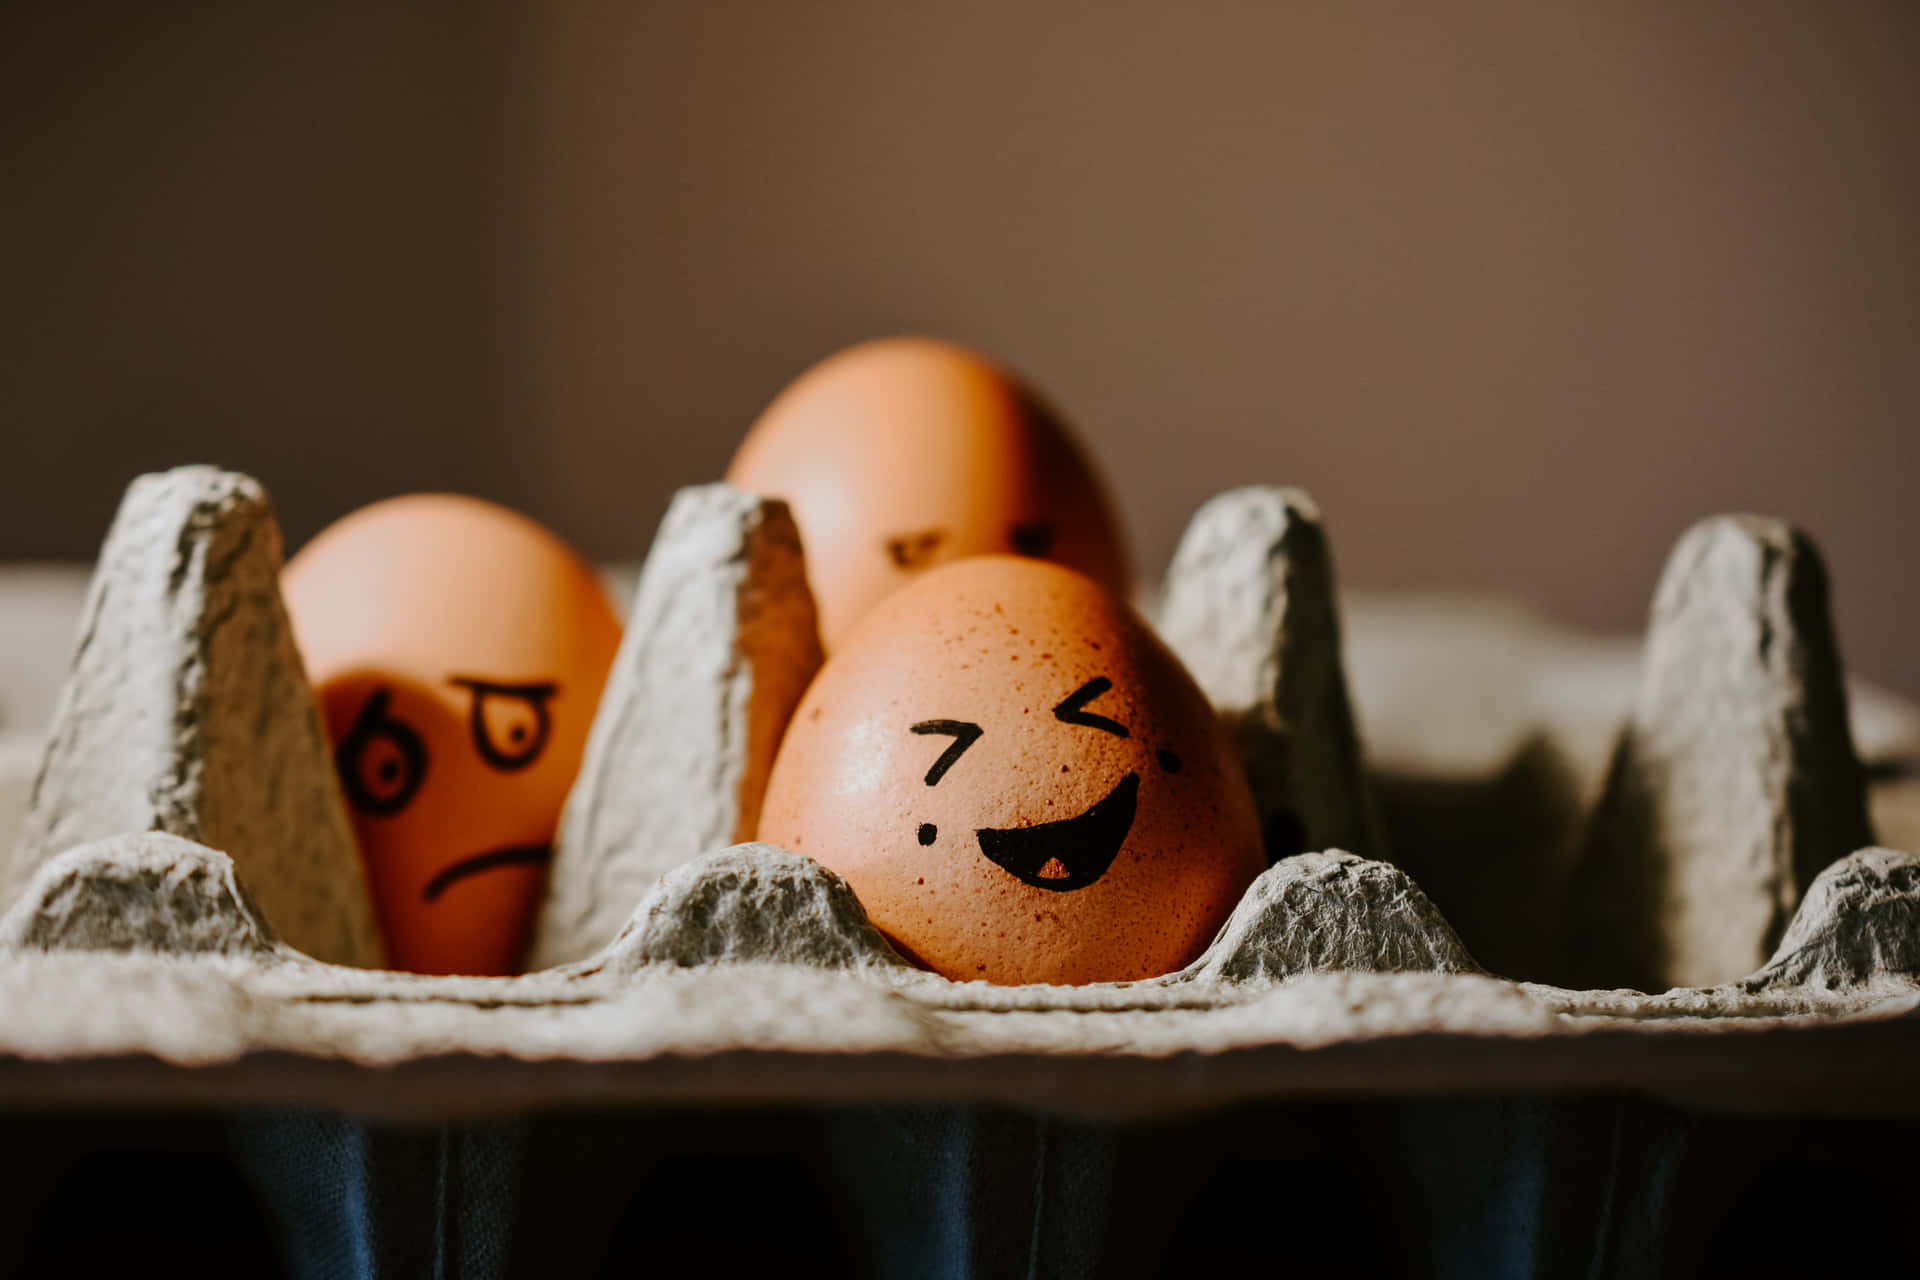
716, 1058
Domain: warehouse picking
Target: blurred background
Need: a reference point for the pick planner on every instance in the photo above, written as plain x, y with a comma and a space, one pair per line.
1517, 290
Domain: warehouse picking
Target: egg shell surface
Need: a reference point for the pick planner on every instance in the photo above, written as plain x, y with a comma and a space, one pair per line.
904, 453
1019, 780
458, 650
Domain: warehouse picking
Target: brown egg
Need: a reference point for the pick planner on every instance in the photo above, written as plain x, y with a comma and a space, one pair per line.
904, 453
1019, 780
458, 650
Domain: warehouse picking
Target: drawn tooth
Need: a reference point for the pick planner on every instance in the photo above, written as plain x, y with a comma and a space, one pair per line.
1249, 607
721, 642
187, 711
1735, 781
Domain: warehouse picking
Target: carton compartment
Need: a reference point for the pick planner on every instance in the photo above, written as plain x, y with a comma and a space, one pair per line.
1648, 871
718, 1062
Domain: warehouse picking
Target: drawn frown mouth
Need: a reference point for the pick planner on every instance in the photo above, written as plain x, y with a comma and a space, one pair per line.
512, 856
1082, 847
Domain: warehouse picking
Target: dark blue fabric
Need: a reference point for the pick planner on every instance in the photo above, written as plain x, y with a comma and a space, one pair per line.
354, 1200
124, 1194
1597, 1188
952, 1193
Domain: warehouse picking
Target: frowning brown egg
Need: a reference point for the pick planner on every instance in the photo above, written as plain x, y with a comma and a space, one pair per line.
458, 650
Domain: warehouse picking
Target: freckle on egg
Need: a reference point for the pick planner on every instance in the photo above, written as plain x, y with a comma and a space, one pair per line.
1172, 875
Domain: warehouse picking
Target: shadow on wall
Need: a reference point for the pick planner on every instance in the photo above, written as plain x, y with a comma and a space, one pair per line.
1518, 292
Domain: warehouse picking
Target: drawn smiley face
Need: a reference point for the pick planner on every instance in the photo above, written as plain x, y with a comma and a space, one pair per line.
1066, 853
458, 652
1019, 781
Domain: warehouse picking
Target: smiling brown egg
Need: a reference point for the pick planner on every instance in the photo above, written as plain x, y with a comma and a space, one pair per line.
458, 650
1019, 780
904, 453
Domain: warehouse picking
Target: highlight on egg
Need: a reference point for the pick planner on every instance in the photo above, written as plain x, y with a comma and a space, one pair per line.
1019, 780
458, 650
900, 454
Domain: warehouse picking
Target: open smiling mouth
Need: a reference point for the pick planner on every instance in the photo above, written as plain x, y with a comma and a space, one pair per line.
518, 855
1071, 853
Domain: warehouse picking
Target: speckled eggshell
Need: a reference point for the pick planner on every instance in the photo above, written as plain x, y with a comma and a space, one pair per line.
1019, 780
905, 453
458, 650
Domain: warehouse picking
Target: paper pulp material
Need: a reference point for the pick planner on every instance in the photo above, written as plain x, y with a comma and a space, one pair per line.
150, 963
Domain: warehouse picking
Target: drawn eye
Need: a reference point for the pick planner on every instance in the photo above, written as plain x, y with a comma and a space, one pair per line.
510, 723
1033, 538
382, 761
1070, 708
915, 550
964, 735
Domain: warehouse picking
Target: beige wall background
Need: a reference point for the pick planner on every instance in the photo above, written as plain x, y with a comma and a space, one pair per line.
1517, 290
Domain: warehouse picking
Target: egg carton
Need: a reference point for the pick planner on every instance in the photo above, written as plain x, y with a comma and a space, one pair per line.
1680, 963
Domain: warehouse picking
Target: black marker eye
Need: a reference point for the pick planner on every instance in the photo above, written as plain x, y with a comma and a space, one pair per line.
964, 736
1034, 538
1168, 761
382, 761
927, 832
914, 550
510, 723
1070, 711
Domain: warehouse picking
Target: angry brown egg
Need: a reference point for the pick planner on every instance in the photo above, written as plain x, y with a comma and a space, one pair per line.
905, 453
458, 650
1020, 782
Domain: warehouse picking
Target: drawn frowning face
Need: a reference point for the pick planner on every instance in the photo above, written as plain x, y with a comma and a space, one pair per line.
1019, 781
458, 651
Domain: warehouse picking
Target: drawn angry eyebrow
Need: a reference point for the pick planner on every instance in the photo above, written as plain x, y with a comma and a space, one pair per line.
520, 752
912, 550
533, 690
1069, 708
964, 735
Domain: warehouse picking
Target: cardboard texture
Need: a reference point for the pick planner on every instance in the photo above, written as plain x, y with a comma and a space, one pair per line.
187, 710
180, 931
1736, 781
720, 645
1249, 607
1738, 749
